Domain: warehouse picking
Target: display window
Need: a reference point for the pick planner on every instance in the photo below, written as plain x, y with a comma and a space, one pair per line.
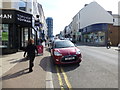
96, 37
4, 35
24, 37
101, 37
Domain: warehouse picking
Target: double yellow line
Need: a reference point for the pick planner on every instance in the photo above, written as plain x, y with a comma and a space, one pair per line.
65, 78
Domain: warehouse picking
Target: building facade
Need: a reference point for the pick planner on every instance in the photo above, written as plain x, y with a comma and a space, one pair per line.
39, 25
93, 24
18, 24
114, 30
49, 22
15, 25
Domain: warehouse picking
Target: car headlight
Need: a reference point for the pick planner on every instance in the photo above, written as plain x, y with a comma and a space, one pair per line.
78, 52
57, 53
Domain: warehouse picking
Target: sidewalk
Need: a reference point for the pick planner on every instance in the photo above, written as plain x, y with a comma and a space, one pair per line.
7, 61
89, 44
15, 71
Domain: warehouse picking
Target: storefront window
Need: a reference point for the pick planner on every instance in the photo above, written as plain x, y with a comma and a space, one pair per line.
96, 37
86, 39
101, 37
24, 37
4, 35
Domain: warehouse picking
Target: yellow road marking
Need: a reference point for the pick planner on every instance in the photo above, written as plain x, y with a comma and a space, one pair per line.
59, 78
66, 79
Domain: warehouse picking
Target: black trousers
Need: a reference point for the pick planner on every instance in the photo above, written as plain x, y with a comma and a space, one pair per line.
31, 64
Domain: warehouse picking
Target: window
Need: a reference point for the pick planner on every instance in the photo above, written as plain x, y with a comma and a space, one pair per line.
0, 4
22, 5
63, 44
113, 20
4, 35
24, 37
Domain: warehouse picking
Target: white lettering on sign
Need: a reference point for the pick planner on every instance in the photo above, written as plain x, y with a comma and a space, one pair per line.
6, 16
23, 18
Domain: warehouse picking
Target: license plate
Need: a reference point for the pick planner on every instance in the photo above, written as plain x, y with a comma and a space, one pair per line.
70, 58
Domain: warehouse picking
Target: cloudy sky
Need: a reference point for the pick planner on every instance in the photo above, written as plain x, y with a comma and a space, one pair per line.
62, 11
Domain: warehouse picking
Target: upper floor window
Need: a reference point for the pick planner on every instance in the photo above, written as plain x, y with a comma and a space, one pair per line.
22, 5
0, 4
113, 20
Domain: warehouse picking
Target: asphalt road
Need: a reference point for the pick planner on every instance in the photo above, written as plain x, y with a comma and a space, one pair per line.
99, 69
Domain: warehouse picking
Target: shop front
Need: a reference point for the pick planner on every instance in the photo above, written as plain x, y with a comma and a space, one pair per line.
95, 34
15, 30
95, 38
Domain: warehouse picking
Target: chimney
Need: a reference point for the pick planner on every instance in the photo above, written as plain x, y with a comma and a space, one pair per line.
85, 5
110, 12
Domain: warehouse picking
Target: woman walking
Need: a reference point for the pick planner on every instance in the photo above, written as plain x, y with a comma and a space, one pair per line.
30, 50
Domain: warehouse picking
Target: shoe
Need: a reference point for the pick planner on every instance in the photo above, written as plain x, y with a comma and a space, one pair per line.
30, 70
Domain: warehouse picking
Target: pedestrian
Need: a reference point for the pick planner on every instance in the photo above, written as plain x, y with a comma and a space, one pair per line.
108, 44
30, 50
45, 42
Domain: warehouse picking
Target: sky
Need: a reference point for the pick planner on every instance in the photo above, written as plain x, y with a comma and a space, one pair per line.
62, 11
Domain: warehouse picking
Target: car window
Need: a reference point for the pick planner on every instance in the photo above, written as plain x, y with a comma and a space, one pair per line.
63, 44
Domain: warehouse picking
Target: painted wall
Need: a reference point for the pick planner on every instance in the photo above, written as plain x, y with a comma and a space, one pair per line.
14, 4
93, 13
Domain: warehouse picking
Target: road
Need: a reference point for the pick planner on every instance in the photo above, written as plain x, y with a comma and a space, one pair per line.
99, 69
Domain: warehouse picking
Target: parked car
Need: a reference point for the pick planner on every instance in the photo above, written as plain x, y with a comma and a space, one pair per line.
65, 52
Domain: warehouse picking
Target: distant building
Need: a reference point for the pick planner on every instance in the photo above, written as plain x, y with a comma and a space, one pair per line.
49, 22
93, 24
39, 30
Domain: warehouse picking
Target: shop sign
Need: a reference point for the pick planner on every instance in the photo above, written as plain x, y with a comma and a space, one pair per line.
14, 16
6, 16
38, 23
23, 18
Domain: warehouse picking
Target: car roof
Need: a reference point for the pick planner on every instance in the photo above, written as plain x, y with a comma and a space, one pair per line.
60, 40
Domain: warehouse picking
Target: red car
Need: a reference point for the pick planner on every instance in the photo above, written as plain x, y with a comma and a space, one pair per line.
65, 52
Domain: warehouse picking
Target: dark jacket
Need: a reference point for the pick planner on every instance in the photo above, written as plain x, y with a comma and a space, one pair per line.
30, 49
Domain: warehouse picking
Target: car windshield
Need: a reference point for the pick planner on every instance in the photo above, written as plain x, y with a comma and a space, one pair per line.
63, 44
